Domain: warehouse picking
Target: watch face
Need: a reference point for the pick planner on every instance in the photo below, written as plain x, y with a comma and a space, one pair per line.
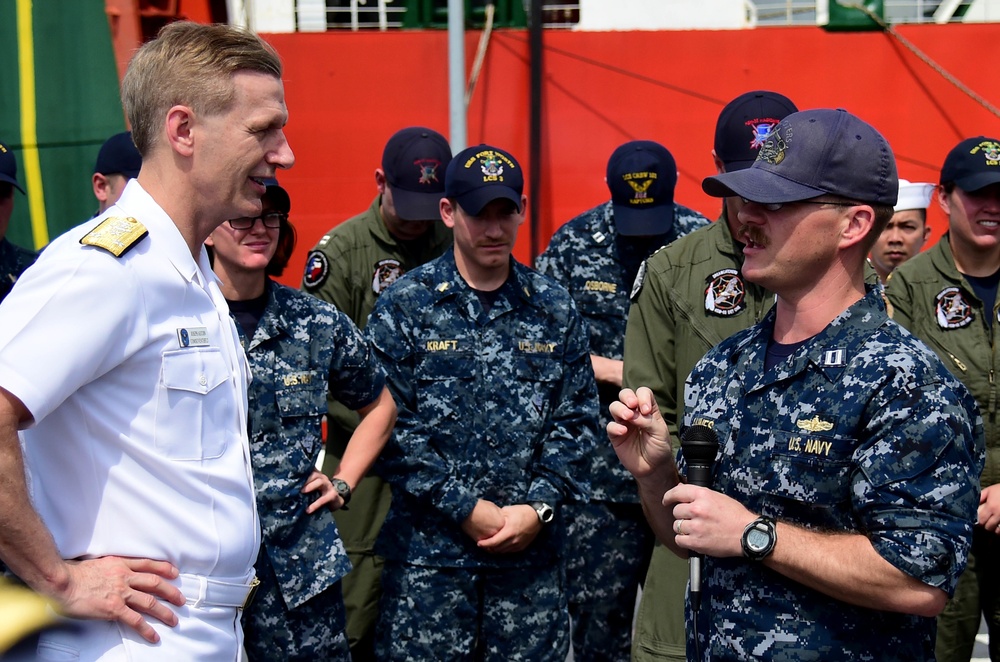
545, 512
758, 540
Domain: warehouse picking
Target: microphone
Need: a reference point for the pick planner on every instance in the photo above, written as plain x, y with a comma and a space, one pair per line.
700, 445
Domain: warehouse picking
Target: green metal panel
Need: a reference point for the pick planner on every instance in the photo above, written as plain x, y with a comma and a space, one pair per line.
845, 15
434, 14
76, 107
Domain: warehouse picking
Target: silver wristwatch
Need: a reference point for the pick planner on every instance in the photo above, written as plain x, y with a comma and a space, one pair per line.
545, 512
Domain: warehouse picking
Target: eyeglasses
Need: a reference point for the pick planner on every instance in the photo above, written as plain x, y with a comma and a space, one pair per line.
272, 220
775, 206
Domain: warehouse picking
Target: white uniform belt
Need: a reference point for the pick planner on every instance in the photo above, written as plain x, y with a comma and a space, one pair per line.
201, 591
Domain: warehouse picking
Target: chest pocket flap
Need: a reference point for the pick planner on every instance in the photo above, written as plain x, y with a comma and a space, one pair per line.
194, 370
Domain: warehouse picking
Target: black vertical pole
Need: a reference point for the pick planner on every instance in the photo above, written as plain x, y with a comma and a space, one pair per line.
535, 129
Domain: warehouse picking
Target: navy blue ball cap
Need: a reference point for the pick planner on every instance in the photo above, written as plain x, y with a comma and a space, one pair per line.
414, 161
118, 155
813, 152
277, 195
479, 175
744, 124
8, 167
972, 164
642, 175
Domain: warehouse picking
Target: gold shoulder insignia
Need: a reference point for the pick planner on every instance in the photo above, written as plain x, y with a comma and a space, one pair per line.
116, 235
814, 425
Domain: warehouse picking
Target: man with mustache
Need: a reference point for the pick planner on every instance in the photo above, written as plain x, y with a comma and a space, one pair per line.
845, 482
688, 298
947, 297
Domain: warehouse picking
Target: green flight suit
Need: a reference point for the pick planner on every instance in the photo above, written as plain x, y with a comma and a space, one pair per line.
692, 296
933, 300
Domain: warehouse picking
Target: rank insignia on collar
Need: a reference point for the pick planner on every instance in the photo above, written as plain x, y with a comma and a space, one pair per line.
116, 235
814, 424
833, 358
951, 309
443, 287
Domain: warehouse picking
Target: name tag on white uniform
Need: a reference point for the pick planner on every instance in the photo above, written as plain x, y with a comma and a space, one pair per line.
195, 336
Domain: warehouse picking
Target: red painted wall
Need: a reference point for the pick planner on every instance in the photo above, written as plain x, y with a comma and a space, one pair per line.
348, 92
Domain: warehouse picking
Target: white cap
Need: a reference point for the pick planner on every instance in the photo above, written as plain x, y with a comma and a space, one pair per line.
913, 195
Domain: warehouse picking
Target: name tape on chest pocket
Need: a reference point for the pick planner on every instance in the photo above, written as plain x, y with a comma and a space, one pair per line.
193, 336
536, 347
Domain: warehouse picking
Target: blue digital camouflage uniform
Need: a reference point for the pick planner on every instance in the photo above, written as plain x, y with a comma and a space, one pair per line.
861, 430
13, 261
350, 267
608, 540
500, 406
302, 348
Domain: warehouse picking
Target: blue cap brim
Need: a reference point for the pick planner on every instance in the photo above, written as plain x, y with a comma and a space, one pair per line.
759, 185
475, 201
649, 222
11, 180
413, 206
977, 181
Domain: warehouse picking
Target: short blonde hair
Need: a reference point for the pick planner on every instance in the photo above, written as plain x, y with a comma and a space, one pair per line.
189, 64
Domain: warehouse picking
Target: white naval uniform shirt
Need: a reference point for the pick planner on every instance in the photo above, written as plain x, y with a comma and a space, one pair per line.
139, 444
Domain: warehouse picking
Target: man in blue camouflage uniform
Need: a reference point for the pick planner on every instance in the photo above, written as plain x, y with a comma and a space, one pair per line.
13, 259
845, 485
489, 365
299, 349
691, 297
596, 256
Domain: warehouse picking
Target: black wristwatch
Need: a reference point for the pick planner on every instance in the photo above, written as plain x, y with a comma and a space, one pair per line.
343, 489
759, 538
546, 513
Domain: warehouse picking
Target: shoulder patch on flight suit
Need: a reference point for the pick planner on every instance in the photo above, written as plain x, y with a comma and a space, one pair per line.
386, 273
640, 278
317, 269
951, 309
725, 293
116, 235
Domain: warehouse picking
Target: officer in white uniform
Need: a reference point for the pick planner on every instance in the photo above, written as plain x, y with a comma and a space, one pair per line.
121, 367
